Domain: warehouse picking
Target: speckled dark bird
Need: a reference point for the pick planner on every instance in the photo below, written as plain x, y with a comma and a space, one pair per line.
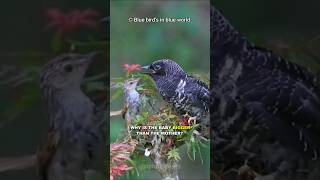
75, 142
265, 110
185, 93
132, 99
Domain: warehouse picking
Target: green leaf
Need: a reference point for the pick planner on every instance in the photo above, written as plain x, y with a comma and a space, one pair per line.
174, 154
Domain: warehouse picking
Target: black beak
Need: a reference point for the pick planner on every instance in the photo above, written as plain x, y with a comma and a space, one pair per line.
146, 70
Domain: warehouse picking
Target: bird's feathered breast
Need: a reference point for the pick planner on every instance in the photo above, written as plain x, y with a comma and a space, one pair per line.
132, 99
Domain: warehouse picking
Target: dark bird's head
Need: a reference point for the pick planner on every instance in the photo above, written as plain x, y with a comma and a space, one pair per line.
163, 69
65, 71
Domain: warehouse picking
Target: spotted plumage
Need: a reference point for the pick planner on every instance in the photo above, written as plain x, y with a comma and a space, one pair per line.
265, 109
185, 93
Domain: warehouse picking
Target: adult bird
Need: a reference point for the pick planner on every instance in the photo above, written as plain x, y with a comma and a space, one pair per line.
132, 99
265, 110
74, 145
186, 94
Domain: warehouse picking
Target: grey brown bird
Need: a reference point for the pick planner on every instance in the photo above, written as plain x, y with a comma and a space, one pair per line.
74, 145
132, 99
185, 93
265, 110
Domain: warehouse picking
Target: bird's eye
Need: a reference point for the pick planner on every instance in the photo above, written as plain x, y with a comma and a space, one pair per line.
157, 67
131, 82
68, 68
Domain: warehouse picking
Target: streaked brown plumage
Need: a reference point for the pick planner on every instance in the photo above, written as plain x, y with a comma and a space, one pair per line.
74, 143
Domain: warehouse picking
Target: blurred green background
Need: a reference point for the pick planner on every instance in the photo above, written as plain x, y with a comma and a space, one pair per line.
24, 48
142, 43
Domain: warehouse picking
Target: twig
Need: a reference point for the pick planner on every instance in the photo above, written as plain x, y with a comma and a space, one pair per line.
17, 163
115, 113
167, 168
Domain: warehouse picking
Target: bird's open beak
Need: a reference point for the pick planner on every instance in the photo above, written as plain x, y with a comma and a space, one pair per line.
146, 70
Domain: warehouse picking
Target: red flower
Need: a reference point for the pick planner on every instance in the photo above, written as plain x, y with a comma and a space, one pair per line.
131, 67
120, 169
67, 22
119, 155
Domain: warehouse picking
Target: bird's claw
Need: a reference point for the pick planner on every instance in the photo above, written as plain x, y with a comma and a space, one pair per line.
192, 119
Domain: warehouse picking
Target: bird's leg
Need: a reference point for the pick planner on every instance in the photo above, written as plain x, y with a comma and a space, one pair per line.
192, 119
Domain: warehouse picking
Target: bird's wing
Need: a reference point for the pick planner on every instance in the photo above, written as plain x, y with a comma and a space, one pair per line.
46, 152
200, 90
204, 96
260, 58
98, 137
289, 105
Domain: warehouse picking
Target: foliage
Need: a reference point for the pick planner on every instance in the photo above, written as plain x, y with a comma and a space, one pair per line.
155, 112
173, 154
119, 158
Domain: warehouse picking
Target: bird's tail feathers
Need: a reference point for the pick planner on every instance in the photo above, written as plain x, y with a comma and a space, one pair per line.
17, 163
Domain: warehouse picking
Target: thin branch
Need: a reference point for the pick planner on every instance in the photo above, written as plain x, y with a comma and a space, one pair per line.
115, 113
17, 163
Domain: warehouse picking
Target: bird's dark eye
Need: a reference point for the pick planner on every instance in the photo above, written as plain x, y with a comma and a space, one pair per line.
68, 68
131, 82
157, 67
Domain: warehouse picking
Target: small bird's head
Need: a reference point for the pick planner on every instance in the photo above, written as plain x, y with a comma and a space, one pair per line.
131, 84
65, 71
164, 68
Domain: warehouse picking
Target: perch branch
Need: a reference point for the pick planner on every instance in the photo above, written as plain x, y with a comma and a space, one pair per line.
115, 113
167, 168
17, 163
